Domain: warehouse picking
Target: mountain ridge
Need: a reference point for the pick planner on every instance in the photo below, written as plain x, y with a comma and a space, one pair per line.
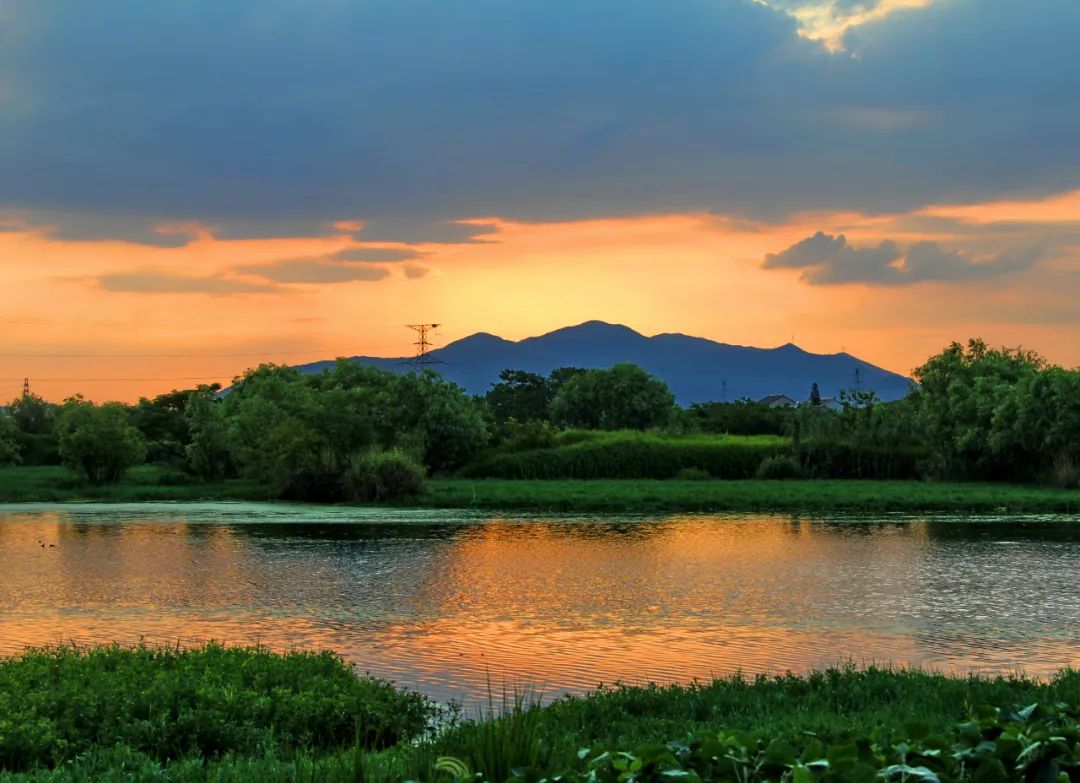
697, 369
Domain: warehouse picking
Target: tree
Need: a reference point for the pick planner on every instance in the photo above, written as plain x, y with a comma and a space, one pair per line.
624, 397
962, 391
98, 441
744, 417
35, 421
815, 395
447, 426
9, 441
164, 425
209, 452
301, 434
1044, 420
521, 396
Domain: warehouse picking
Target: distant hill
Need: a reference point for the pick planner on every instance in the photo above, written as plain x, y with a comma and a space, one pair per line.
696, 369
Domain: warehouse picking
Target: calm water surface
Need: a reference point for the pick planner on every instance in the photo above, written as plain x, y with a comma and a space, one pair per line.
442, 601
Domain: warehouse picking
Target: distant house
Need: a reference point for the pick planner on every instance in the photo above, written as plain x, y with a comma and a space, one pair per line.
831, 403
777, 401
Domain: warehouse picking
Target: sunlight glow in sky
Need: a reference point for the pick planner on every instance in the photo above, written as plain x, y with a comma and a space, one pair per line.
186, 191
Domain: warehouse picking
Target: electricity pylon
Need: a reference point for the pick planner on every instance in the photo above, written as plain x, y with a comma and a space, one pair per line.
423, 345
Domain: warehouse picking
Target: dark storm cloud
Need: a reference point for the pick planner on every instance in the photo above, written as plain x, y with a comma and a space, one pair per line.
409, 113
831, 260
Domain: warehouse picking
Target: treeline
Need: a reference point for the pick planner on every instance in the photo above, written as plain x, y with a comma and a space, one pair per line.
357, 433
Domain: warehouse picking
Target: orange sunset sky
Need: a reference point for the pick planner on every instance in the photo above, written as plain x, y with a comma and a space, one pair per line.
187, 192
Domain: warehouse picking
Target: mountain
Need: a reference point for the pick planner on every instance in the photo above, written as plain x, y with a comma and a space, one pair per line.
698, 370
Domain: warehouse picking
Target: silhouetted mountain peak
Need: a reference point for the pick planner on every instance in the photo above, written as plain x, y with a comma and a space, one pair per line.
697, 369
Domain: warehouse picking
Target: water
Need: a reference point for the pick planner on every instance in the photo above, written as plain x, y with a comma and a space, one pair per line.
445, 602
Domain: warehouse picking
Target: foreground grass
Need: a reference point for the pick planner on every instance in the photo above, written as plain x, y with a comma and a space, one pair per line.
152, 714
819, 495
54, 484
164, 703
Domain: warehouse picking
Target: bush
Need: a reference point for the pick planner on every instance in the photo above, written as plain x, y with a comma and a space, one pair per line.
167, 703
843, 460
1065, 473
779, 467
630, 455
377, 476
692, 474
522, 436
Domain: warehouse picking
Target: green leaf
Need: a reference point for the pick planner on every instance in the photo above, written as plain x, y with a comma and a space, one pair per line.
780, 752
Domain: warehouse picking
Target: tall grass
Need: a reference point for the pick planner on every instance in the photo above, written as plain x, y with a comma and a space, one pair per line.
579, 454
631, 455
766, 724
61, 702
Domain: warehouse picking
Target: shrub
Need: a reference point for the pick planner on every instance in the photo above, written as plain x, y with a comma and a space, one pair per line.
585, 454
384, 475
522, 436
836, 459
779, 467
167, 703
630, 455
1065, 473
692, 474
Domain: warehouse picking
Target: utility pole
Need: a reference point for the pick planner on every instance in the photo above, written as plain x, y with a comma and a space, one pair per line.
723, 392
26, 388
423, 345
858, 380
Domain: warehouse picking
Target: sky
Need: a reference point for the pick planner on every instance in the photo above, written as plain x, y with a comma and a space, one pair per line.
190, 189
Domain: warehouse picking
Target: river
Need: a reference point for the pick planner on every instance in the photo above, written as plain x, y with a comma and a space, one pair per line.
445, 602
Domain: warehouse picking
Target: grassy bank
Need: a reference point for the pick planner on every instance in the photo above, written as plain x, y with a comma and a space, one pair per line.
811, 495
52, 484
246, 715
626, 454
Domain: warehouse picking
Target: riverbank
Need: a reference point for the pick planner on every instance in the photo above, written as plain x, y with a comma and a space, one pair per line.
55, 484
809, 495
244, 715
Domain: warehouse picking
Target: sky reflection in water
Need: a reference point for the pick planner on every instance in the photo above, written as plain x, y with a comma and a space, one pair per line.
441, 602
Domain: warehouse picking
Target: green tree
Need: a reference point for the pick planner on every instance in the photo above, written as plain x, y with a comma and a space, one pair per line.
966, 400
438, 419
9, 441
1042, 421
164, 425
744, 417
209, 452
98, 441
521, 396
624, 397
815, 395
35, 424
303, 434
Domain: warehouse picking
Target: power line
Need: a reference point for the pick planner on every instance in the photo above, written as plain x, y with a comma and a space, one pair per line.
313, 351
115, 380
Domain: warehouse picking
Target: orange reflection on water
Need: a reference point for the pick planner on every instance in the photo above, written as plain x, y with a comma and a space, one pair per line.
446, 606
